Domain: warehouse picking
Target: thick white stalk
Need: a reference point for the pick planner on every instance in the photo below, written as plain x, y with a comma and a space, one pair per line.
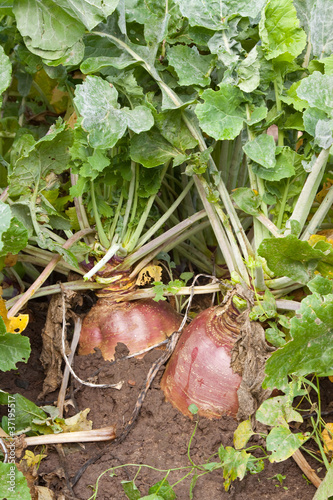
308, 193
319, 216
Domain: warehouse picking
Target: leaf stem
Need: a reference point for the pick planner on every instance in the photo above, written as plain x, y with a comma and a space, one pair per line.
101, 234
45, 273
308, 193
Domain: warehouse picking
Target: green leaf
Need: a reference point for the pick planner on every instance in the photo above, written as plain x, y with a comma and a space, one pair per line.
316, 17
49, 154
95, 64
317, 90
279, 31
14, 348
247, 200
323, 286
5, 219
265, 309
278, 411
103, 119
325, 489
191, 67
154, 496
290, 257
311, 349
274, 336
222, 116
293, 99
25, 411
248, 72
257, 115
14, 239
212, 13
225, 44
283, 443
13, 484
242, 434
151, 149
286, 160
193, 409
5, 72
163, 489
262, 150
131, 490
173, 129
53, 27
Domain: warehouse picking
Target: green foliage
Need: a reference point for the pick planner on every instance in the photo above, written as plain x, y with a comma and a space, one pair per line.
19, 490
310, 348
14, 348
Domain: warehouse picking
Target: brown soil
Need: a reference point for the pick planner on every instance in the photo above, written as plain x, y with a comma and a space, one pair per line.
159, 438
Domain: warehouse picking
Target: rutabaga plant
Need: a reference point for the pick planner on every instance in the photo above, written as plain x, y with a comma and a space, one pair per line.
196, 86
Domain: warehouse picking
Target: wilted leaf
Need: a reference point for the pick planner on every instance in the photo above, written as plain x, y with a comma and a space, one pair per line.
327, 436
16, 324
32, 459
242, 434
148, 274
78, 422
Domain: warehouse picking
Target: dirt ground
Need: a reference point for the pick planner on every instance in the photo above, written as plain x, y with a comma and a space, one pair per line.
159, 438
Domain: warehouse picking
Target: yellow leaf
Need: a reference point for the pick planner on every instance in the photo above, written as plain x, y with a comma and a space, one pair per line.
327, 436
148, 274
16, 324
331, 379
78, 422
32, 459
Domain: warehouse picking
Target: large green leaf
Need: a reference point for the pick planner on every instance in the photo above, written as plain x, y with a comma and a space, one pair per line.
212, 13
5, 72
316, 17
25, 411
317, 90
226, 45
19, 490
283, 443
38, 159
55, 26
222, 116
280, 32
311, 347
14, 348
291, 257
103, 119
191, 67
286, 159
261, 150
